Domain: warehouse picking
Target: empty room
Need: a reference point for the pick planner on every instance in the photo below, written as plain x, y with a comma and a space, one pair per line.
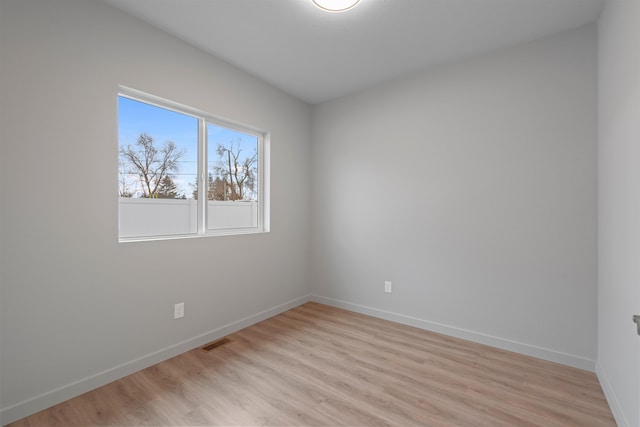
320, 212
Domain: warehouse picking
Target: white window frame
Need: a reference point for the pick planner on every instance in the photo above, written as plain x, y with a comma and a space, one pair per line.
204, 118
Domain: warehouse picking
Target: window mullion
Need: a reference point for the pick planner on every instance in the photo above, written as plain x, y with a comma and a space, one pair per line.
203, 182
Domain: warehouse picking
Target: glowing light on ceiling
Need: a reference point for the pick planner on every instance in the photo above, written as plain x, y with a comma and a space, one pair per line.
335, 5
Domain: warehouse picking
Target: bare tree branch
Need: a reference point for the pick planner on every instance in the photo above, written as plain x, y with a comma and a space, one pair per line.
236, 173
150, 164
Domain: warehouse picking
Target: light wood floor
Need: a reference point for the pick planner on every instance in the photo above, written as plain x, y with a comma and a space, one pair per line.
318, 366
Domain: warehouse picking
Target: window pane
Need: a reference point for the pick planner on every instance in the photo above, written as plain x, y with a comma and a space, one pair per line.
232, 187
157, 170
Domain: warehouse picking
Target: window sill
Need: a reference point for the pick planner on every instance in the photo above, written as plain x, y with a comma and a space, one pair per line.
212, 233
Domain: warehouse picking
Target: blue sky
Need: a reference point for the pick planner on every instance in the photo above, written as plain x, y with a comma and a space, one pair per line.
163, 125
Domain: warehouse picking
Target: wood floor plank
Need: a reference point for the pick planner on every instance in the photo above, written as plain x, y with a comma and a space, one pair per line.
317, 365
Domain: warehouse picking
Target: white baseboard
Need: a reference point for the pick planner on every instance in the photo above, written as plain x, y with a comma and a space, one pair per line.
502, 343
609, 393
68, 391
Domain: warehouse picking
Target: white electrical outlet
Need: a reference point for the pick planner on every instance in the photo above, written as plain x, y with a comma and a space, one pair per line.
387, 287
178, 310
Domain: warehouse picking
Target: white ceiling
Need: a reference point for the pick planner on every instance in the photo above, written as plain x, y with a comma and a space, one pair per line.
317, 56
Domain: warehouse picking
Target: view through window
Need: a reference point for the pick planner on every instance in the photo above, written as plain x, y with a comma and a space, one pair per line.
183, 173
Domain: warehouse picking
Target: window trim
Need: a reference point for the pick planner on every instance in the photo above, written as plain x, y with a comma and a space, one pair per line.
203, 118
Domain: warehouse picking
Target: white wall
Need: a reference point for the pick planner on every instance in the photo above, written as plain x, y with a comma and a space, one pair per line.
78, 308
493, 161
619, 208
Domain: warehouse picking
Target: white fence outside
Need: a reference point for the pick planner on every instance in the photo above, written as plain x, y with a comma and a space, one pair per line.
153, 217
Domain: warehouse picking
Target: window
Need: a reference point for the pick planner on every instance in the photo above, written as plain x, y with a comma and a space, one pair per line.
184, 173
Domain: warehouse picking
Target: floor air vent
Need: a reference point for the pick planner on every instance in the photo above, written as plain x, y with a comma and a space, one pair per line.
216, 344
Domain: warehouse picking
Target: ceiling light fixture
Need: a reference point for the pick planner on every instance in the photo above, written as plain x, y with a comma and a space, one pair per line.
335, 5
